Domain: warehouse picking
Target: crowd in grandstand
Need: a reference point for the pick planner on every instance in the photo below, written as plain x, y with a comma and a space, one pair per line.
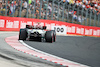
13, 7
93, 6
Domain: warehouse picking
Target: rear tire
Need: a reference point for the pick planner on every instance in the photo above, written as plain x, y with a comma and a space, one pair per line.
22, 34
54, 35
49, 36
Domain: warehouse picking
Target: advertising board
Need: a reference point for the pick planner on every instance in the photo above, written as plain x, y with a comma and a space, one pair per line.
63, 28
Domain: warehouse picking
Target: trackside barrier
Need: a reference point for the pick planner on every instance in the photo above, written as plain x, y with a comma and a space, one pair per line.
15, 23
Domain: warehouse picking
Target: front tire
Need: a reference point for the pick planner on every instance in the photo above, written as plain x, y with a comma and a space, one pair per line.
22, 34
49, 36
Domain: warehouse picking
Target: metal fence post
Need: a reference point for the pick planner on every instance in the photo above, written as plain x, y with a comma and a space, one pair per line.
47, 9
34, 8
27, 8
58, 11
86, 17
95, 18
90, 17
13, 8
68, 13
40, 9
63, 11
98, 19
73, 13
6, 8
82, 14
77, 13
20, 8
52, 10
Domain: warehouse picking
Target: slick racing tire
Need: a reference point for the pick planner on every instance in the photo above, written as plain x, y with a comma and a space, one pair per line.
22, 34
54, 35
49, 36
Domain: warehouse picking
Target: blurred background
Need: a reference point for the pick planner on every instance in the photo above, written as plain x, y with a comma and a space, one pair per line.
83, 12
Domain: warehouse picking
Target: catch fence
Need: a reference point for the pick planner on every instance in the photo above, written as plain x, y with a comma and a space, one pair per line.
51, 10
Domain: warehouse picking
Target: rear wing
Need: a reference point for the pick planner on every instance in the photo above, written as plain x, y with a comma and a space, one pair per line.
34, 27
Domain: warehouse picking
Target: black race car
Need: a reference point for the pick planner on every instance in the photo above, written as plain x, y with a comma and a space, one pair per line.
39, 33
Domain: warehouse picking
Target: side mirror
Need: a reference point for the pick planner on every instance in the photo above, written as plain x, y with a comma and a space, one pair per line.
27, 26
44, 28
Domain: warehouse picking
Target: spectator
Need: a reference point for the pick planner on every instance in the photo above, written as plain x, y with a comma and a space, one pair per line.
24, 8
0, 5
98, 12
50, 8
79, 19
45, 6
98, 5
17, 8
75, 17
83, 6
71, 1
66, 1
38, 2
12, 7
8, 7
37, 12
77, 3
25, 4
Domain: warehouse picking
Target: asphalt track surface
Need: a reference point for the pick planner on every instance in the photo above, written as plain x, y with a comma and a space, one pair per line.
84, 50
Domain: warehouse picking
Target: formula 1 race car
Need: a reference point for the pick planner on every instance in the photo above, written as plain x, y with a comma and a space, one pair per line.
39, 33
